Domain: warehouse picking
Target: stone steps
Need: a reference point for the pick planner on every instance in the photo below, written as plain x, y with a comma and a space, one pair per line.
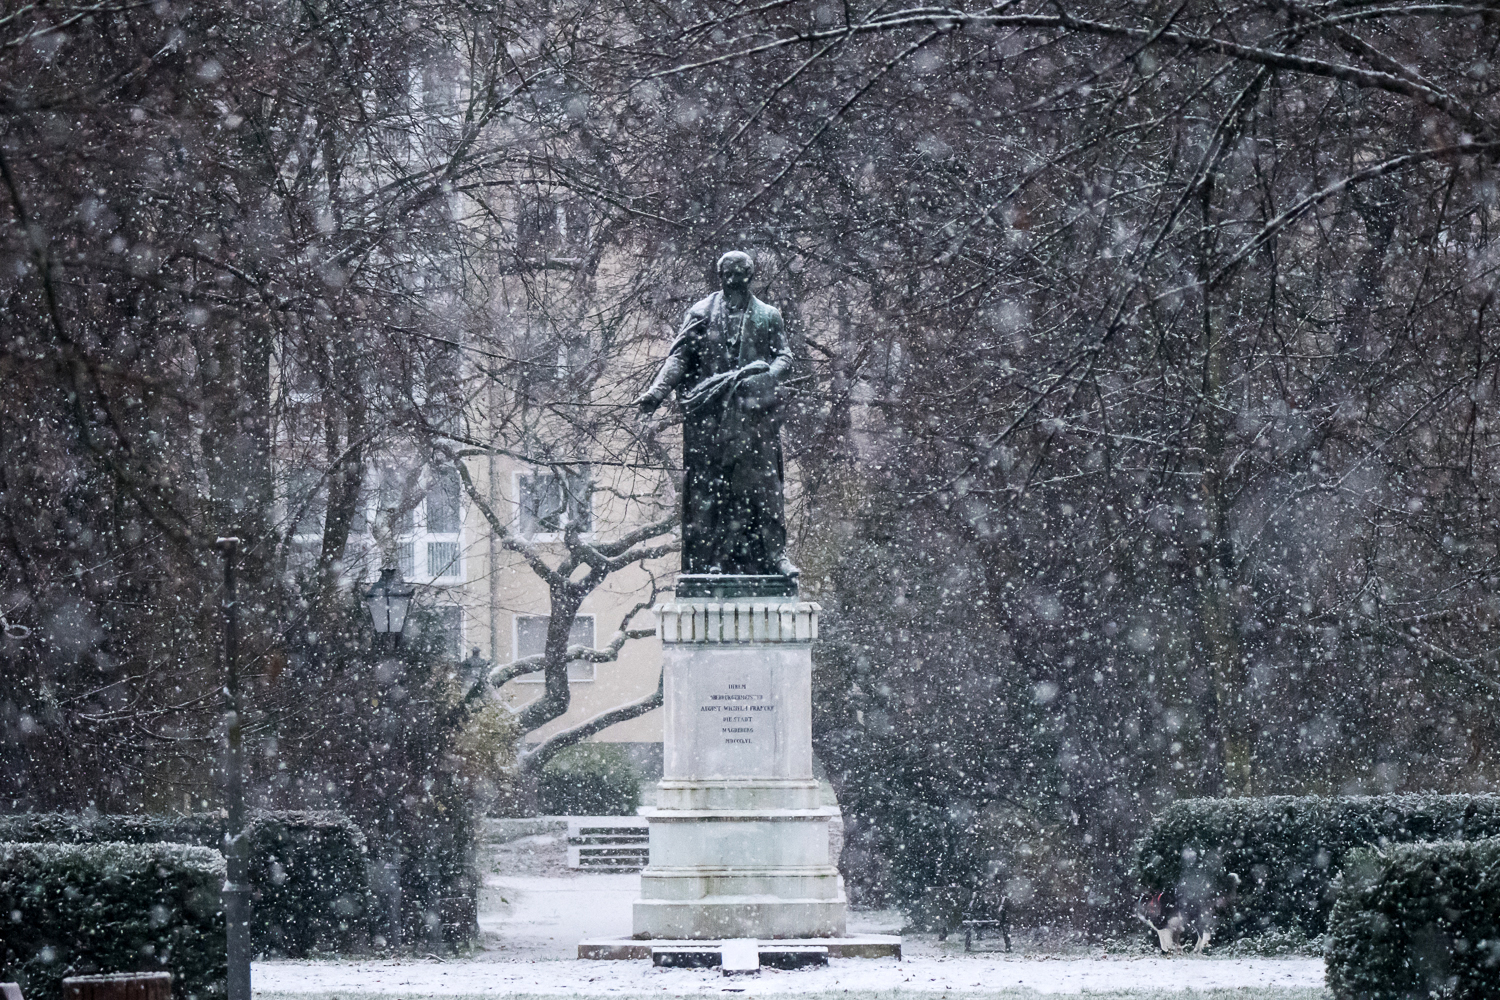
608, 844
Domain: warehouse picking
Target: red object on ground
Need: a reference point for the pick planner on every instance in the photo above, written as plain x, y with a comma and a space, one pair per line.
119, 986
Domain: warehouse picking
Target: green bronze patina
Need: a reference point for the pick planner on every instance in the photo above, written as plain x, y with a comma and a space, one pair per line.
726, 361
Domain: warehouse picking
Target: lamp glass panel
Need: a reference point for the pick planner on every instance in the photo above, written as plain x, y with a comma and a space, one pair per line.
378, 613
397, 605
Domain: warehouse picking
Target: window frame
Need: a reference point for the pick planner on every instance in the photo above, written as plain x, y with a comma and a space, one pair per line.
412, 541
445, 608
518, 476
538, 677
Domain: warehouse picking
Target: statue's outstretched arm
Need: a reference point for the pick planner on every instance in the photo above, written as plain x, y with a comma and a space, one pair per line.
666, 380
671, 369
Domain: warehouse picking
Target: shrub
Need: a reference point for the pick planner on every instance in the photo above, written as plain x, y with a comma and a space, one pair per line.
1002, 853
311, 884
200, 829
1417, 920
590, 779
487, 747
307, 869
80, 909
1269, 863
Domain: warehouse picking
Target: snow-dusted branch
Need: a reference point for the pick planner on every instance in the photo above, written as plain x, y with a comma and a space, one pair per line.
544, 751
508, 539
946, 19
524, 665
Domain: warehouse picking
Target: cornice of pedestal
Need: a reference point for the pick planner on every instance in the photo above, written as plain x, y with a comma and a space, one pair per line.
737, 622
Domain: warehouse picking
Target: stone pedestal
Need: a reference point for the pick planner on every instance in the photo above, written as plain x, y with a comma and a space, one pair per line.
739, 843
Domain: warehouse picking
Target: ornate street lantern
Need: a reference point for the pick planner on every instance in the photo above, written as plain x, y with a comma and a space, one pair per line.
389, 600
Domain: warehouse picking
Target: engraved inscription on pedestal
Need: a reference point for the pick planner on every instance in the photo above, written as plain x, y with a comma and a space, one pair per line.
738, 712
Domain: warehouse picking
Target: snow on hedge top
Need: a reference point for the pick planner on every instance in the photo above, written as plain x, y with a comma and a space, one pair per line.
204, 829
1269, 863
108, 858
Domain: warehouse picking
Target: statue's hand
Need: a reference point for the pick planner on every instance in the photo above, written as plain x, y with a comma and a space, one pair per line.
647, 404
758, 392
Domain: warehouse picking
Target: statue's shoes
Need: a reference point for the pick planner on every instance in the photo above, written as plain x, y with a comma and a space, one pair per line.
786, 567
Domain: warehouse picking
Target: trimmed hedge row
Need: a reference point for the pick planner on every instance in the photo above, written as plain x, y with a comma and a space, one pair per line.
589, 779
1417, 920
80, 909
1269, 863
307, 869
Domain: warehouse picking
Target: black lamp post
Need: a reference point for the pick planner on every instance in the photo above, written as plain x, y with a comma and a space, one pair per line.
388, 600
236, 892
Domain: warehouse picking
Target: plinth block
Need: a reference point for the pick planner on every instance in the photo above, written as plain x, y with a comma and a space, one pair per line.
852, 946
715, 794
705, 882
737, 710
740, 916
755, 839
739, 841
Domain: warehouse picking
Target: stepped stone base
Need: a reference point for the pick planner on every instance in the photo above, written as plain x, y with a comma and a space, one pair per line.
723, 916
855, 946
739, 839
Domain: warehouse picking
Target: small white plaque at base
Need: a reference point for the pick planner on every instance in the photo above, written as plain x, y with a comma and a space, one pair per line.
740, 956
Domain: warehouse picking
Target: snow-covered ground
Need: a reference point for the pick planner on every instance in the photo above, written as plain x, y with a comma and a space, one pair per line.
534, 906
966, 975
537, 917
533, 912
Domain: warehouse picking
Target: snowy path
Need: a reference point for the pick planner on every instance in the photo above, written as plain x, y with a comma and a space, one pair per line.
971, 975
532, 906
531, 916
533, 910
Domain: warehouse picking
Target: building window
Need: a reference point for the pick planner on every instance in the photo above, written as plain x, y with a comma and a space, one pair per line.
443, 502
531, 640
451, 621
304, 501
442, 559
546, 226
443, 509
550, 501
425, 527
394, 510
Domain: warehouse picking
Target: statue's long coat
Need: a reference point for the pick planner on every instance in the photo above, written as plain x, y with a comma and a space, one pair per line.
725, 375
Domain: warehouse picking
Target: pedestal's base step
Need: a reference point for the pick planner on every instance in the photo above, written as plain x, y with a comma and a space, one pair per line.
682, 956
772, 954
788, 953
611, 844
764, 917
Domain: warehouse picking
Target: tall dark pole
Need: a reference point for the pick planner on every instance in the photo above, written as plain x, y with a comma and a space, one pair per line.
236, 893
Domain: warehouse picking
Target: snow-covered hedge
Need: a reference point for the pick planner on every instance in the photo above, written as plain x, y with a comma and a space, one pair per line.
589, 779
1269, 863
308, 869
1417, 920
79, 909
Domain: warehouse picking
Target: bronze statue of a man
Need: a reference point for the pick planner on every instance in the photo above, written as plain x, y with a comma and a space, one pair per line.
725, 363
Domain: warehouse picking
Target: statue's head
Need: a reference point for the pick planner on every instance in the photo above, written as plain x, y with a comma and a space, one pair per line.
736, 269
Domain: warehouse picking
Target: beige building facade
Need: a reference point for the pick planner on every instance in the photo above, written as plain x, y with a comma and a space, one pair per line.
504, 604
